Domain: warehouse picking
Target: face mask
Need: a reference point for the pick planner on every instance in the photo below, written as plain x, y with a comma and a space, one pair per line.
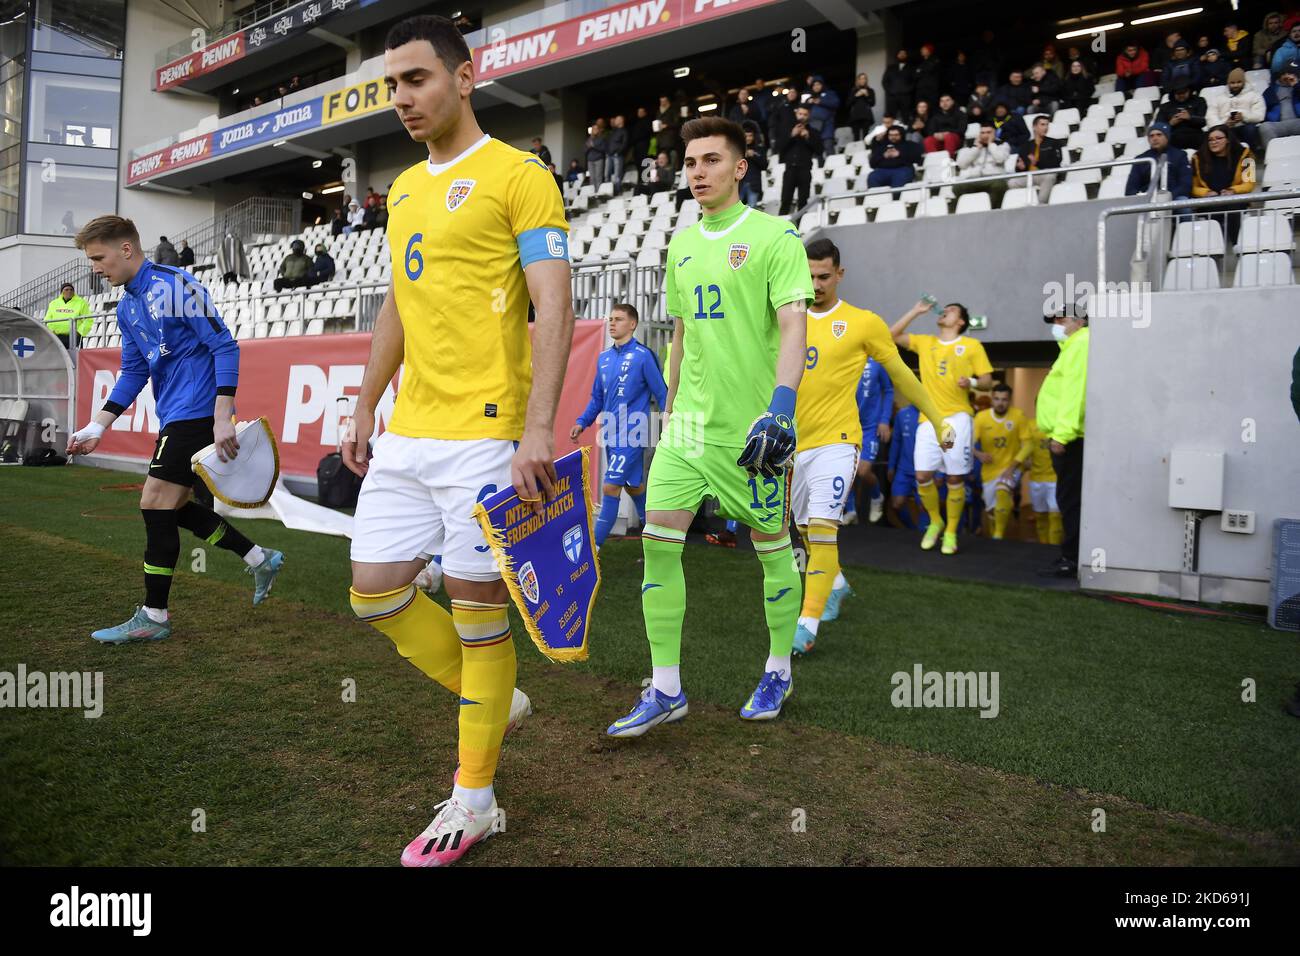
1058, 332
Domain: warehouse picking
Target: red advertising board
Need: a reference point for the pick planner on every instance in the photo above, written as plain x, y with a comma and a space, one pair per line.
171, 157
296, 383
212, 57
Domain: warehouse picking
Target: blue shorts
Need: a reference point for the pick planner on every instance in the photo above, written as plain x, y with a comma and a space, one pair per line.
904, 484
870, 448
625, 467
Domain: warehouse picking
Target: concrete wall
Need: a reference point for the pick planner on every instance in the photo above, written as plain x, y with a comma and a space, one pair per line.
1208, 362
988, 261
24, 258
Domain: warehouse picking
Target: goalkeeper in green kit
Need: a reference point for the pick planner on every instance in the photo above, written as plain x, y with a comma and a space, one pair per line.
738, 288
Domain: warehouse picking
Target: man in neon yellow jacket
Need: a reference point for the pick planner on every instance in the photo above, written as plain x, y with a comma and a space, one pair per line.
64, 309
1061, 416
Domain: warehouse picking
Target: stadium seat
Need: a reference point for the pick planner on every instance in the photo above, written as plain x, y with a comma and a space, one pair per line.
315, 327
1094, 124
1200, 237
1103, 110
1120, 134
1263, 268
874, 200
1082, 139
974, 202
1266, 232
1068, 192
933, 206
835, 161
1259, 79
1058, 130
1284, 171
842, 203
1015, 198
891, 212
1183, 275
1112, 187
1068, 116
852, 216
1285, 147
810, 220
1151, 93
1111, 99
972, 130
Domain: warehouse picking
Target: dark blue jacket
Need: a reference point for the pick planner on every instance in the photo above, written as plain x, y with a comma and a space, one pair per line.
173, 336
626, 377
1273, 105
1179, 180
903, 442
875, 399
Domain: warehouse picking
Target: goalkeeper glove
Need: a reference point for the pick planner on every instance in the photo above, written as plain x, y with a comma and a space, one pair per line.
947, 435
770, 445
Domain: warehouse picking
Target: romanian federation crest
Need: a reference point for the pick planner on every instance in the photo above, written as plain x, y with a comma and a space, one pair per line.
458, 192
573, 543
737, 254
528, 582
960, 350
838, 328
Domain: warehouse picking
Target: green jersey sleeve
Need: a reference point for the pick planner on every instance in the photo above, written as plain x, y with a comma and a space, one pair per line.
670, 287
788, 277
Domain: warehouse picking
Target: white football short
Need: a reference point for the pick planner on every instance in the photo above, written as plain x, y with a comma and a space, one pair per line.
930, 456
418, 500
991, 492
1043, 496
822, 479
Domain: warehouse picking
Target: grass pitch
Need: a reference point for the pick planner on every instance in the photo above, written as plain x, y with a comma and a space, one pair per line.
240, 714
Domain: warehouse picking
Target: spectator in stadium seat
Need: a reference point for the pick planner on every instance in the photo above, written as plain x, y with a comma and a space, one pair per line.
862, 103
1179, 68
947, 127
186, 255
823, 105
1089, 64
1133, 69
1052, 63
877, 133
1078, 89
961, 78
616, 147
781, 120
658, 178
980, 103
540, 151
670, 140
899, 82
929, 75
559, 180
1045, 89
338, 223
1242, 110
751, 186
356, 217
747, 107
574, 174
165, 254
595, 152
322, 267
919, 128
1061, 417
639, 136
1164, 53
1039, 152
1286, 51
1185, 114
1015, 93
1011, 128
892, 160
987, 157
1172, 167
372, 198
232, 260
295, 268
1214, 68
1269, 33
369, 217
798, 153
1224, 166
1281, 107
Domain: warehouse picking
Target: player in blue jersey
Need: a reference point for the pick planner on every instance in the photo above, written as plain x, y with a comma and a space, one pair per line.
173, 336
902, 472
627, 376
875, 408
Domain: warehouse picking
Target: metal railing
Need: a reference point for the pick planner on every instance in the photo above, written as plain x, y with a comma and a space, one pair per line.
819, 204
1245, 240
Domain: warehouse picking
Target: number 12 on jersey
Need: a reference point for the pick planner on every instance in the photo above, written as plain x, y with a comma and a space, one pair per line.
715, 308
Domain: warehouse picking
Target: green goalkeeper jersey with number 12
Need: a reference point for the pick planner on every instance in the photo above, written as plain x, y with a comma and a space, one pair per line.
727, 276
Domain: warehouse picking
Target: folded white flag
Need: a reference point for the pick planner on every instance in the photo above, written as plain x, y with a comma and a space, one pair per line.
247, 480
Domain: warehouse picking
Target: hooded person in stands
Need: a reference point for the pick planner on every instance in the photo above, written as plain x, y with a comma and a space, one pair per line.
1282, 106
1181, 66
295, 269
892, 160
1010, 127
1214, 68
1173, 171
1242, 110
165, 254
1269, 33
322, 267
1184, 113
823, 104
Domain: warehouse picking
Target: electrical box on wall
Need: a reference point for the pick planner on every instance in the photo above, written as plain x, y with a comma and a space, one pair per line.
1196, 479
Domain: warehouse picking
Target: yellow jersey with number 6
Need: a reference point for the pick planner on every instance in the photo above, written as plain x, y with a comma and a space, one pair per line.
839, 343
943, 363
461, 234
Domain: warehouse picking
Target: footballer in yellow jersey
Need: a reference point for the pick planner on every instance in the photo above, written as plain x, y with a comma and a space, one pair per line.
1004, 446
477, 231
841, 338
1042, 487
952, 363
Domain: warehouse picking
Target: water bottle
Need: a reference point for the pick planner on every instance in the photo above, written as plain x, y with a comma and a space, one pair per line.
933, 303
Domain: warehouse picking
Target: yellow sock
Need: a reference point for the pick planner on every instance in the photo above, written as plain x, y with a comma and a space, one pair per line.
1042, 528
823, 566
1002, 512
930, 500
1057, 528
422, 631
488, 679
956, 501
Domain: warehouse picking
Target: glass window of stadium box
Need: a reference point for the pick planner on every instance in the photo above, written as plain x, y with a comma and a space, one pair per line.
61, 198
13, 79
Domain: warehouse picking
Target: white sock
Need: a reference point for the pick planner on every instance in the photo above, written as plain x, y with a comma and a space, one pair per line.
668, 680
779, 664
255, 557
157, 615
840, 582
478, 799
810, 623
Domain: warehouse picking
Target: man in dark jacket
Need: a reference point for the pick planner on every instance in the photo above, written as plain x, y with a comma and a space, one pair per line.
781, 120
186, 255
823, 104
798, 152
899, 82
165, 254
1172, 168
892, 160
322, 267
1040, 152
929, 76
747, 107
540, 151
295, 269
639, 136
1185, 114
616, 145
862, 101
1015, 93
947, 127
1046, 89
1010, 126
751, 186
1181, 65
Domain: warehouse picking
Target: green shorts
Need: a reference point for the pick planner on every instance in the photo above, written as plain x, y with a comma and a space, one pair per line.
680, 481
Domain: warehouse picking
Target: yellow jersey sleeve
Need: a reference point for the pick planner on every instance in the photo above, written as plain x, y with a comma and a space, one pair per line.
880, 343
917, 341
536, 211
979, 360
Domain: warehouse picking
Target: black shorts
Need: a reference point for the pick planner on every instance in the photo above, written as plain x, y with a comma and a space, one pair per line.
177, 443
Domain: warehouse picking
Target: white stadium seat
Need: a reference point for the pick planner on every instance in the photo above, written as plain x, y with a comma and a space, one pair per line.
1068, 192
1200, 272
853, 216
973, 202
1263, 268
1266, 232
891, 212
1015, 198
1200, 237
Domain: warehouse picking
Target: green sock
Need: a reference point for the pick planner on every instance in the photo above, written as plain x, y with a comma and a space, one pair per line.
782, 594
663, 593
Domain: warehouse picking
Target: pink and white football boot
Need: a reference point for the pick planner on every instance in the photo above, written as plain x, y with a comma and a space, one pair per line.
453, 831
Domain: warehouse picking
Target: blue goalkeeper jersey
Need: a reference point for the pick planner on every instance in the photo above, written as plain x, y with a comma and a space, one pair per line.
903, 442
173, 337
875, 397
627, 376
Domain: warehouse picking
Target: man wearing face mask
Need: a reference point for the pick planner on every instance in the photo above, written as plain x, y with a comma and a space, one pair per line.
1061, 415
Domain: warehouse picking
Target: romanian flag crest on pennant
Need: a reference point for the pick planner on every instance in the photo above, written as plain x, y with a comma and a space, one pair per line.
548, 560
